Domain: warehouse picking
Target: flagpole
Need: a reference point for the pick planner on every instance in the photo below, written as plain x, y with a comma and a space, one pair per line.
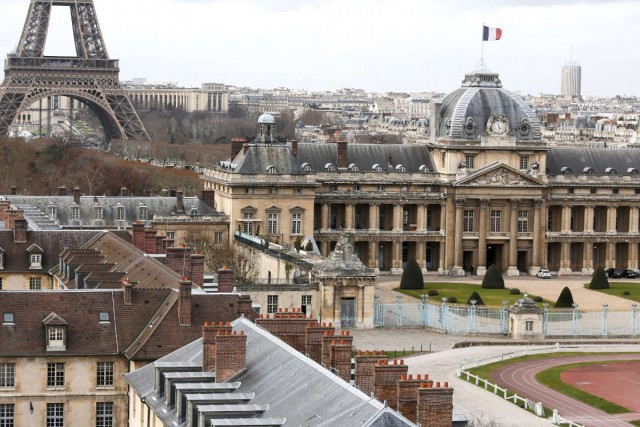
482, 45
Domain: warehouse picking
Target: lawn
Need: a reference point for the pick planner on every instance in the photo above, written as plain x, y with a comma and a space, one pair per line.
462, 292
618, 288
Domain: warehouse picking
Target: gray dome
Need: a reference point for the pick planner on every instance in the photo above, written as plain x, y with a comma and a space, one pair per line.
266, 119
465, 113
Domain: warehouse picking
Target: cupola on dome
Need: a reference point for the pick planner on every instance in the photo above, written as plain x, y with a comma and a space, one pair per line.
266, 119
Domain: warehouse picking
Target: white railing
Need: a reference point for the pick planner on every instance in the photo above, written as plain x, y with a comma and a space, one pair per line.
536, 408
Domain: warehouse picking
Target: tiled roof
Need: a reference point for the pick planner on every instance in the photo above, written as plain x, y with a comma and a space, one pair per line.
52, 243
599, 159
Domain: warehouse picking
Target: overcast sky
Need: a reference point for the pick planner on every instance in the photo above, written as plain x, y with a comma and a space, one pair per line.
376, 45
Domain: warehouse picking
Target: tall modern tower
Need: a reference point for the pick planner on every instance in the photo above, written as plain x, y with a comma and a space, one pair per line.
571, 79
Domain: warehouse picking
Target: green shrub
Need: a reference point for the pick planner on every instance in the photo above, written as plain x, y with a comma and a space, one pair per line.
626, 293
565, 300
493, 278
452, 300
475, 296
412, 276
432, 292
538, 299
309, 246
515, 291
599, 279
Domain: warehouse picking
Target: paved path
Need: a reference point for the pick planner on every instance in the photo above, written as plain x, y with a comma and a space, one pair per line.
520, 378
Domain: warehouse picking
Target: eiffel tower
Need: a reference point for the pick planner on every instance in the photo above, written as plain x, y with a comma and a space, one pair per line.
90, 77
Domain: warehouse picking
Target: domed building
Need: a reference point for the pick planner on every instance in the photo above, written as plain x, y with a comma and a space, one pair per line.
485, 190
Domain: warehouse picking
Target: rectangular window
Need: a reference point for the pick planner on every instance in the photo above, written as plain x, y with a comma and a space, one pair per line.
296, 223
36, 260
247, 228
470, 161
217, 237
524, 162
98, 213
8, 317
496, 221
105, 374
35, 283
523, 221
55, 415
144, 213
0, 283
75, 213
104, 414
615, 191
297, 191
305, 304
429, 220
528, 325
381, 188
6, 414
171, 235
55, 338
272, 304
7, 375
272, 224
55, 374
468, 221
120, 214
248, 191
273, 190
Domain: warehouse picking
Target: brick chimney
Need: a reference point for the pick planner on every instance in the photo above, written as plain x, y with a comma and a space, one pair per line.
179, 201
150, 241
4, 205
245, 308
20, 230
128, 291
231, 355
293, 145
315, 332
435, 405
365, 362
62, 191
124, 192
178, 260
343, 156
290, 327
76, 195
10, 216
408, 395
184, 302
341, 357
160, 248
225, 280
208, 197
236, 146
137, 232
386, 377
209, 333
197, 269
327, 339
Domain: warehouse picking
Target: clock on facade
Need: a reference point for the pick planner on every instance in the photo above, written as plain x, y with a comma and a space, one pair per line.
498, 127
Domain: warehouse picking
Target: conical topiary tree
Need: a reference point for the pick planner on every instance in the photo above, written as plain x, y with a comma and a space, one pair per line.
599, 279
493, 278
565, 300
412, 276
475, 296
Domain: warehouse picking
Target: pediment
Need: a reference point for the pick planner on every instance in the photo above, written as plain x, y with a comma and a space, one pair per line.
500, 175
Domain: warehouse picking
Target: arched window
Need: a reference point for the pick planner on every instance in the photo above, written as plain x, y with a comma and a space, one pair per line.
377, 168
306, 168
330, 167
611, 171
272, 170
401, 169
632, 171
354, 167
423, 169
588, 171
566, 170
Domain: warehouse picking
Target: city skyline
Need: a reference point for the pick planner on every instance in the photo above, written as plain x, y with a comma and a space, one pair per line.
376, 45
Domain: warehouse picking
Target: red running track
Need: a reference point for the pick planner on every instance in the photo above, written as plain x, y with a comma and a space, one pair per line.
520, 378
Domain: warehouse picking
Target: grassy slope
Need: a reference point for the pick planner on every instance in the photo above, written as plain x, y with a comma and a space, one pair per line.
617, 289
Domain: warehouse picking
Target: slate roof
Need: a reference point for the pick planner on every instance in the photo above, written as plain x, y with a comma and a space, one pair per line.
86, 335
52, 243
38, 206
295, 390
259, 157
366, 155
599, 159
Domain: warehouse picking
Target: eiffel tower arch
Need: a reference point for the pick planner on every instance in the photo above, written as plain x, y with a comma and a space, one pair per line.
90, 77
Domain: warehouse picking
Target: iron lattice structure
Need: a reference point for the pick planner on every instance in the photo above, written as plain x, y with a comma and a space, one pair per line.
90, 77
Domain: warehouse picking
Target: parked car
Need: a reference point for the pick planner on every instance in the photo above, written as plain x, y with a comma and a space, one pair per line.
615, 273
544, 273
629, 274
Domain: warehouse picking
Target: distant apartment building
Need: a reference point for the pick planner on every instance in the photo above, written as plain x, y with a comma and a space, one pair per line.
571, 83
211, 97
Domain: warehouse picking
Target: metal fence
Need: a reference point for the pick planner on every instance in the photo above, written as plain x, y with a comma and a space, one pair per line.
468, 319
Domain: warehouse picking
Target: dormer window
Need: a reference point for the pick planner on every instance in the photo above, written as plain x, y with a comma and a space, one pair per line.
56, 332
143, 213
611, 171
424, 169
330, 167
377, 168
120, 216
35, 261
566, 170
588, 171
272, 170
193, 211
632, 171
1, 259
98, 213
75, 213
53, 212
401, 169
307, 168
354, 167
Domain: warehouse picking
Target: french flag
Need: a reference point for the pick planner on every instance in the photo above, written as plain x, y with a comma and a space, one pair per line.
490, 34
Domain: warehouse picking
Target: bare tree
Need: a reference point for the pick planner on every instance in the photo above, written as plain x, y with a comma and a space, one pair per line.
245, 262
